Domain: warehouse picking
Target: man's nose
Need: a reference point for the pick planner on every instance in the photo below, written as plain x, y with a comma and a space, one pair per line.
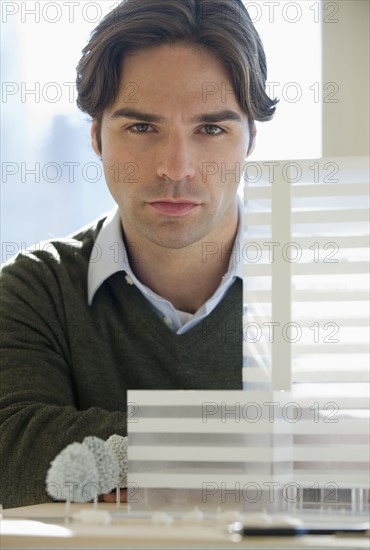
175, 159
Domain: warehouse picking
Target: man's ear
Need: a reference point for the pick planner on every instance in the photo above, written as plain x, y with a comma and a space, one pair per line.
94, 137
252, 140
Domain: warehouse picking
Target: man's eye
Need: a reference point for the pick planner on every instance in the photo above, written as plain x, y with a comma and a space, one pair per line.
140, 128
212, 130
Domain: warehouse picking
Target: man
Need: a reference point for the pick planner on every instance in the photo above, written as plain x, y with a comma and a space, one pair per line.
149, 297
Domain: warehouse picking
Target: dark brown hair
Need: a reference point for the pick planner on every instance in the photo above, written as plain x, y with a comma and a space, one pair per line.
222, 26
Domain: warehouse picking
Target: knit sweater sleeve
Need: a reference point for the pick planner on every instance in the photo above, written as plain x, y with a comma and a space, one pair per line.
39, 403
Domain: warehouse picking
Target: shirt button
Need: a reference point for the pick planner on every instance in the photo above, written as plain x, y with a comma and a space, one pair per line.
168, 321
129, 281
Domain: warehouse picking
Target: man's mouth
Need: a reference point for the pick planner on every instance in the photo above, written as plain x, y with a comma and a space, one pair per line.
173, 207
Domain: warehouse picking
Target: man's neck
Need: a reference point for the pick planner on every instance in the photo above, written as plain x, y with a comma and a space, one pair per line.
186, 277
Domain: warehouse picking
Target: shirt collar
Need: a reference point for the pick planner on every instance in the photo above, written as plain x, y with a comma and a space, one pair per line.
109, 254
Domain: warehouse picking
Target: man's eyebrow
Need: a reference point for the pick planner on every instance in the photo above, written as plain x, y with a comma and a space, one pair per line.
137, 115
206, 118
218, 116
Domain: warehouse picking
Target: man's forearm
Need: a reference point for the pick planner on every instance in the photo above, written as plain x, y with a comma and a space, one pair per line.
33, 434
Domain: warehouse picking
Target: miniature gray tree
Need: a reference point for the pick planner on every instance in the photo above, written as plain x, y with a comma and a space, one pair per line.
118, 446
106, 463
73, 475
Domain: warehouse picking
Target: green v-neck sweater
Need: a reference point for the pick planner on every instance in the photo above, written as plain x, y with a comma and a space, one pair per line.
66, 366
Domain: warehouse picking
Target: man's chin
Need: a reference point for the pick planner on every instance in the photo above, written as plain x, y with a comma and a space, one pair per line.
176, 240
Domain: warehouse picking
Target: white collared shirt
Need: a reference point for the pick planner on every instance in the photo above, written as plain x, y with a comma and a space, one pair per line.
109, 256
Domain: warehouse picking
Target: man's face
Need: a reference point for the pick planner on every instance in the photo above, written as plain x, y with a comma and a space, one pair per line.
173, 147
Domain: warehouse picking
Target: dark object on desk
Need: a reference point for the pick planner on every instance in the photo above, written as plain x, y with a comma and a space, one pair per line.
239, 529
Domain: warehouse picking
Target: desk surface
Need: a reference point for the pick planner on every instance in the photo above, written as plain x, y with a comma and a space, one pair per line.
44, 526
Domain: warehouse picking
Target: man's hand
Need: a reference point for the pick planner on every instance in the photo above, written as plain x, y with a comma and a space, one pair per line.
111, 497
